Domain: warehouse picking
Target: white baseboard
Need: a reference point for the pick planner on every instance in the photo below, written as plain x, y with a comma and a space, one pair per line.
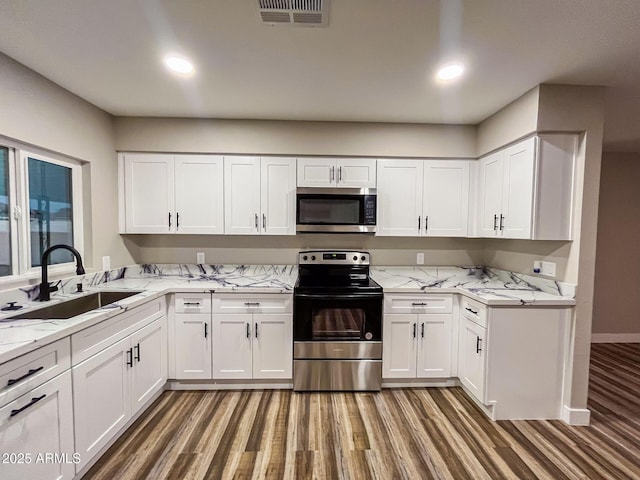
419, 383
576, 416
230, 385
615, 338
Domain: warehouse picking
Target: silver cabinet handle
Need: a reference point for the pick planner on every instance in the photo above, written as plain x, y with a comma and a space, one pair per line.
495, 222
264, 222
501, 222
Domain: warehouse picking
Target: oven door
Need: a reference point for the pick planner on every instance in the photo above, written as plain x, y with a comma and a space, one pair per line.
337, 318
335, 210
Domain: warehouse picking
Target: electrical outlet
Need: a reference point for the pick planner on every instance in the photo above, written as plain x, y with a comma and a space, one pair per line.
548, 269
106, 263
420, 259
200, 258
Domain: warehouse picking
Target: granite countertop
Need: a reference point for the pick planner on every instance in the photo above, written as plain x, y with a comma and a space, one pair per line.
489, 286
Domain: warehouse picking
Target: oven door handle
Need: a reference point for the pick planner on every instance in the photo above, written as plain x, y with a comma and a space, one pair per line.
354, 296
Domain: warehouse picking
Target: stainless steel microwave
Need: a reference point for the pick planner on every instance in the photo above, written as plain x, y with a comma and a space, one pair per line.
335, 210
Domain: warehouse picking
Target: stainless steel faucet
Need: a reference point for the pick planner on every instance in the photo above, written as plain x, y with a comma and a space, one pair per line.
45, 288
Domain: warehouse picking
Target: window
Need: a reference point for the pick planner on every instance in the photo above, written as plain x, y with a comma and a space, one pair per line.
5, 222
40, 206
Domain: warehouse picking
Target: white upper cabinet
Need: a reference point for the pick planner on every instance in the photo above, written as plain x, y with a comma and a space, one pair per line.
199, 183
337, 172
164, 193
260, 195
423, 198
446, 198
400, 185
149, 193
526, 190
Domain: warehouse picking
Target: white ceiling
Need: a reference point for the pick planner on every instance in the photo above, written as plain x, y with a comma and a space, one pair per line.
374, 62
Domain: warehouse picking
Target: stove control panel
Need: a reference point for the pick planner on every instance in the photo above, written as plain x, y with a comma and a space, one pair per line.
331, 257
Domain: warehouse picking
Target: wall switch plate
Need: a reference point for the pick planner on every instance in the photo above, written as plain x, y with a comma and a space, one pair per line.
420, 259
200, 258
106, 263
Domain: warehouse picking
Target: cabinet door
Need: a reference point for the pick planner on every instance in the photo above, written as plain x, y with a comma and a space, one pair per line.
192, 345
316, 172
399, 346
434, 346
278, 196
471, 363
490, 181
199, 194
242, 195
45, 426
101, 399
517, 196
272, 346
400, 185
356, 173
149, 193
446, 198
149, 372
232, 346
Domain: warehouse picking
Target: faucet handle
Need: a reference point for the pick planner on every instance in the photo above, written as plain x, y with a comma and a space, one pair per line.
53, 286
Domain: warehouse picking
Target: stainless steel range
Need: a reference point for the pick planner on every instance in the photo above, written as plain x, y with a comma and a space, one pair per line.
337, 323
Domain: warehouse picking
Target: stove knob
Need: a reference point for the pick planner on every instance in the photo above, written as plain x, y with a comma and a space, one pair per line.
355, 257
313, 257
363, 258
305, 257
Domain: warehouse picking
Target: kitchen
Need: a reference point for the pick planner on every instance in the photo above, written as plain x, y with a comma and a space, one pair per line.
88, 134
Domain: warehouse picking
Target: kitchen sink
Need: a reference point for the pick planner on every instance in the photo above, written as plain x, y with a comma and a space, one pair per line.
77, 306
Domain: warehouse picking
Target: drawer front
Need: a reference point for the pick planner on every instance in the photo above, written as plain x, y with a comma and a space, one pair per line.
92, 340
246, 303
474, 311
20, 375
427, 303
193, 302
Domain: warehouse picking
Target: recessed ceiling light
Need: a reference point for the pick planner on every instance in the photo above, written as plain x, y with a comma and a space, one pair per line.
178, 64
450, 71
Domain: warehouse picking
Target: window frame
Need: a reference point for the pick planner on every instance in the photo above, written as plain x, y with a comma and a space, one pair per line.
18, 158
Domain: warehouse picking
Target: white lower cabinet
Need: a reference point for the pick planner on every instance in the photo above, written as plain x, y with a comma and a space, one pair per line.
36, 433
113, 385
511, 359
250, 343
190, 354
417, 345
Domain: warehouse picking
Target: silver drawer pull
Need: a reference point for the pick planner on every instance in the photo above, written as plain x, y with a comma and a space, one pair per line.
252, 304
469, 310
416, 304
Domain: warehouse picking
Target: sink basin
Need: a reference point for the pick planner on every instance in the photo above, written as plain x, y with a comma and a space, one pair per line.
77, 306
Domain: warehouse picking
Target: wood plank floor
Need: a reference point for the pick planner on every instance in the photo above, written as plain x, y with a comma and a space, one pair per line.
399, 433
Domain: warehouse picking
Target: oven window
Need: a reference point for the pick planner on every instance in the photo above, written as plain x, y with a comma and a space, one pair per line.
331, 211
338, 323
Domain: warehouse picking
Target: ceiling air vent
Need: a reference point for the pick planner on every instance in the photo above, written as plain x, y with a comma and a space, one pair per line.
305, 13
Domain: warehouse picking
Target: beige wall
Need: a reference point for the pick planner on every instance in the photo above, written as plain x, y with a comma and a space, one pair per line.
37, 112
617, 279
516, 120
265, 137
283, 250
